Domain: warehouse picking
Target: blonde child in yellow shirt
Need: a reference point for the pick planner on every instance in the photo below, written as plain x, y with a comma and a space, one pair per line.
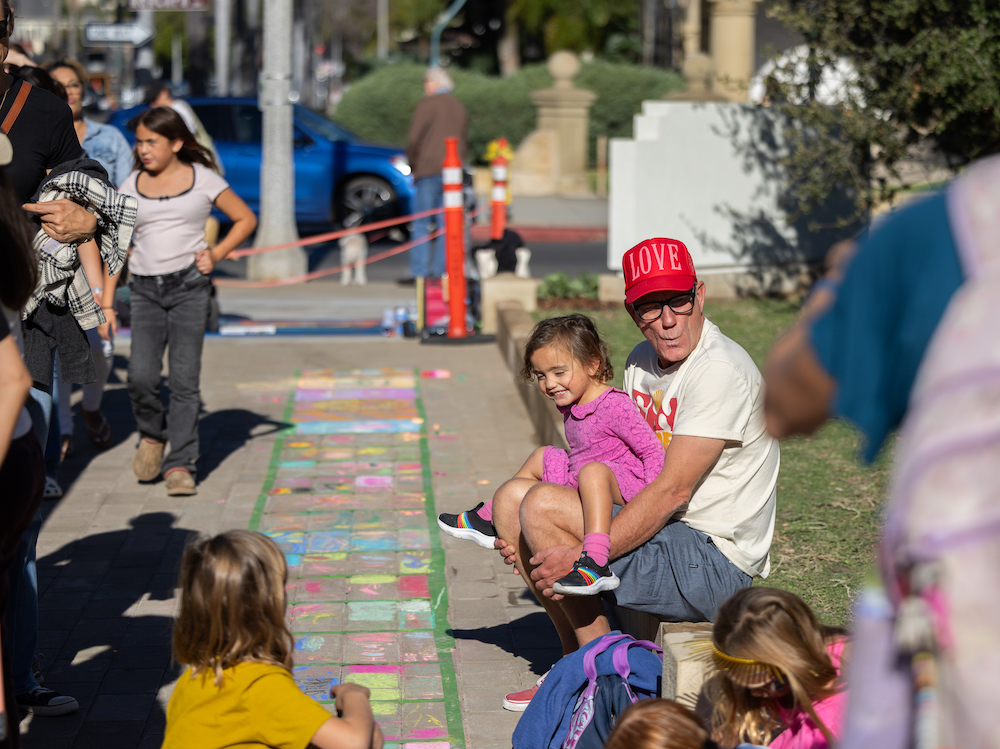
231, 633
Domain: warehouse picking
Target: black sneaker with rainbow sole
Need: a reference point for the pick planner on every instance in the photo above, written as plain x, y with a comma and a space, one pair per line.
588, 578
469, 526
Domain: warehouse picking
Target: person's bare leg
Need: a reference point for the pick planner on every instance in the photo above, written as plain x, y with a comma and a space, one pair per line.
534, 466
506, 504
551, 515
599, 490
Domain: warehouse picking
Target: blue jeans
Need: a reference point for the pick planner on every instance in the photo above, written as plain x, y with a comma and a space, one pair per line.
22, 607
170, 309
427, 258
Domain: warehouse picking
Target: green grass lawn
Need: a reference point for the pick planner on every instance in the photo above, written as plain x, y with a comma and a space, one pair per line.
828, 503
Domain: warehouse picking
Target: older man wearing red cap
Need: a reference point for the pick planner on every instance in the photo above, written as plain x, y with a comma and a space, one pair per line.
702, 529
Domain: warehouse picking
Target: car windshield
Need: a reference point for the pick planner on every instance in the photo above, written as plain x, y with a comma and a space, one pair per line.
322, 126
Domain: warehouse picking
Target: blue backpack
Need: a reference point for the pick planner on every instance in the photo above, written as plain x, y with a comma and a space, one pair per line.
581, 698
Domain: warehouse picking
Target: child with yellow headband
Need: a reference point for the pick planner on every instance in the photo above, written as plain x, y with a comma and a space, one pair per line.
779, 681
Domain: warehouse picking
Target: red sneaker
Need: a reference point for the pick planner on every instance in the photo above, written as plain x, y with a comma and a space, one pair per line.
518, 701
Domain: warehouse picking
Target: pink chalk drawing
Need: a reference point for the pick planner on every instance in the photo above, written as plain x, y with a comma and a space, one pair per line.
373, 482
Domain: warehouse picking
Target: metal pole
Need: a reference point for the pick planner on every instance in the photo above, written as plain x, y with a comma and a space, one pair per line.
144, 59
177, 59
277, 174
223, 29
382, 17
439, 27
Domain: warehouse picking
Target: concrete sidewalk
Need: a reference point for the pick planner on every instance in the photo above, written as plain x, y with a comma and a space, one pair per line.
109, 550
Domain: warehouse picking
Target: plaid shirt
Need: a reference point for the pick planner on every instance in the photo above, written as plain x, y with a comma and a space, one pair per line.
61, 277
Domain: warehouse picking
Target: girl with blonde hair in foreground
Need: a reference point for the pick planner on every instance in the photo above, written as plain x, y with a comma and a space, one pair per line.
779, 682
231, 633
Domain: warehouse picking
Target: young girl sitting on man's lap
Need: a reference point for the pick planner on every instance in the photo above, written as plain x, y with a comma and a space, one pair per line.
613, 452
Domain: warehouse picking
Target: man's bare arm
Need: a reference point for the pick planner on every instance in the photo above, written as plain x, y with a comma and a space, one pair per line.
688, 459
800, 392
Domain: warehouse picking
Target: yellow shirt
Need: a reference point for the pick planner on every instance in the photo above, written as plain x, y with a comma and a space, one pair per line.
258, 705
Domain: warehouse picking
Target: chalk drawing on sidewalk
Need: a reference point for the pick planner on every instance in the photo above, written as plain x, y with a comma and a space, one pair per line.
348, 499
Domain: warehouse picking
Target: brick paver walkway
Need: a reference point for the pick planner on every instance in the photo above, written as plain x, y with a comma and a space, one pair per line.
350, 503
438, 628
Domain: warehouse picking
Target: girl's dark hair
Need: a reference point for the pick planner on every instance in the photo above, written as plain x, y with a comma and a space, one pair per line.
18, 264
40, 78
578, 336
166, 122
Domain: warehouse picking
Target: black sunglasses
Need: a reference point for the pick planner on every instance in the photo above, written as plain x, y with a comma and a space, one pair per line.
682, 304
8, 16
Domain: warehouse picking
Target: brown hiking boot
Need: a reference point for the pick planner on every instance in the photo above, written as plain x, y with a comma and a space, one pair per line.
180, 482
148, 459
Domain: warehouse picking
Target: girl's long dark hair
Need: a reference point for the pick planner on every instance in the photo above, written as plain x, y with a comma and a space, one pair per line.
18, 264
166, 122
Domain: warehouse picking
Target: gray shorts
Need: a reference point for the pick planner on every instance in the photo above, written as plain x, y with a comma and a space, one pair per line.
679, 575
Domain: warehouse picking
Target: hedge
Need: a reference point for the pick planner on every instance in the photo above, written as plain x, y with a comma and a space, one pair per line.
378, 107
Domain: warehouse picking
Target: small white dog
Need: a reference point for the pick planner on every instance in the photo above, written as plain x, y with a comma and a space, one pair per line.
353, 253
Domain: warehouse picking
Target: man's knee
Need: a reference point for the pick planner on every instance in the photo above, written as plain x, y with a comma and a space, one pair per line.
506, 503
537, 507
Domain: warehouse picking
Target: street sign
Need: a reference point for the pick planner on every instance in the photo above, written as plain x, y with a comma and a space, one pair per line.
136, 34
168, 4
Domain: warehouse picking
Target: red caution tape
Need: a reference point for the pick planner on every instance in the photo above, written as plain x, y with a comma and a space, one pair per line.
331, 271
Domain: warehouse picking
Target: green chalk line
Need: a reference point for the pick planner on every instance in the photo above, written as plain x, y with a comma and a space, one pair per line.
272, 466
437, 586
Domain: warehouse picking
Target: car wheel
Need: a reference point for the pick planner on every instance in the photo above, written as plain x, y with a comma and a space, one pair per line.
366, 199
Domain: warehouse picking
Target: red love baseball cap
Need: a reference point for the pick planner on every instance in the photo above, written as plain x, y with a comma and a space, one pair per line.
657, 264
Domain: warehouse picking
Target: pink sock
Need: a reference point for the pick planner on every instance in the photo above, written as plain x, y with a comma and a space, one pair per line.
486, 512
597, 546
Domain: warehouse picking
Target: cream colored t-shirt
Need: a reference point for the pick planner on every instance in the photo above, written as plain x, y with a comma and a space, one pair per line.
169, 232
717, 392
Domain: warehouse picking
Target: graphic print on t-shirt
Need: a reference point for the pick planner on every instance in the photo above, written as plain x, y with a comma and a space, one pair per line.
651, 407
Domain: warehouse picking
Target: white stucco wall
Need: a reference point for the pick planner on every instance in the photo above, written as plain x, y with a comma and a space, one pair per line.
708, 174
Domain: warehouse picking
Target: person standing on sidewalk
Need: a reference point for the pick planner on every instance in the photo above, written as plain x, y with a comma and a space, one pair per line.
108, 147
437, 116
171, 262
22, 468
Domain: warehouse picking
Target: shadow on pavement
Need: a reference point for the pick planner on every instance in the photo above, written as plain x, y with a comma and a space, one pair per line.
222, 433
531, 637
105, 618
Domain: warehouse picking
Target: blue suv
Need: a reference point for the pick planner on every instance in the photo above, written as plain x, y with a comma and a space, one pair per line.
339, 178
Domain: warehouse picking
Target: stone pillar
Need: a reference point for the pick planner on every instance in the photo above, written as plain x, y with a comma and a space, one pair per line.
553, 158
734, 37
692, 28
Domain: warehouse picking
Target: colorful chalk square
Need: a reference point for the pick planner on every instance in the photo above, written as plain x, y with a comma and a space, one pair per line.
327, 521
317, 617
371, 563
413, 538
290, 542
370, 520
422, 682
418, 647
319, 648
414, 562
372, 647
327, 563
282, 523
320, 589
362, 541
424, 720
318, 542
372, 615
